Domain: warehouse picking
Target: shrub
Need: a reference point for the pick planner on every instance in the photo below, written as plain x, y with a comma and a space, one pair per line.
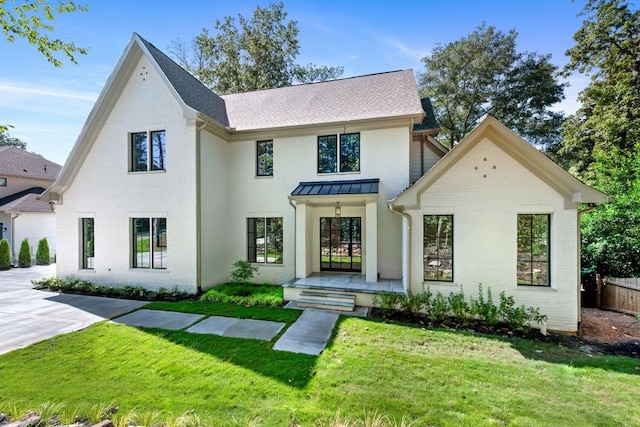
243, 271
246, 294
5, 255
42, 254
387, 302
24, 257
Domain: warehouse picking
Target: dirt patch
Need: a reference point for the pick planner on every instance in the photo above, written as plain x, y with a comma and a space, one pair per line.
609, 332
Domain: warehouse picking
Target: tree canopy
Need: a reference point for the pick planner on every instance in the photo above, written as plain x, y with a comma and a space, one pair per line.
5, 139
483, 73
249, 53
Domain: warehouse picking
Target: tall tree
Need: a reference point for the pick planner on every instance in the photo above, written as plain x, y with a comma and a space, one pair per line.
601, 141
5, 139
483, 73
249, 54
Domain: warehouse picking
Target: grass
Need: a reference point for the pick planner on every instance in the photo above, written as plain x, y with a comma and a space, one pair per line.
437, 377
247, 294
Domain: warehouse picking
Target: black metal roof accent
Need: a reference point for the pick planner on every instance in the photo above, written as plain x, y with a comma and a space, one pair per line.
429, 121
16, 196
325, 188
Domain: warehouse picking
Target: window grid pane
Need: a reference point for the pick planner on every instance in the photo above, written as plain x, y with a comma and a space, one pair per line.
533, 250
87, 243
140, 245
139, 152
264, 240
158, 150
252, 240
264, 166
159, 253
438, 248
327, 154
350, 152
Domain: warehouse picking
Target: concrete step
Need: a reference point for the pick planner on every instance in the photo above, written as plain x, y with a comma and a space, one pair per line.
326, 304
329, 296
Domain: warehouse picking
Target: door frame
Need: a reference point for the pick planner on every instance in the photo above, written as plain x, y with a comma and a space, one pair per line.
351, 269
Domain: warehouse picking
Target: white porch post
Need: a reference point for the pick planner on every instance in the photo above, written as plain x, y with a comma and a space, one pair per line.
301, 239
406, 252
371, 242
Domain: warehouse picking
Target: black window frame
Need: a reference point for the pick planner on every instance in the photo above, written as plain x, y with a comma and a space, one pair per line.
531, 239
87, 230
152, 145
3, 181
438, 258
266, 152
253, 234
157, 235
337, 155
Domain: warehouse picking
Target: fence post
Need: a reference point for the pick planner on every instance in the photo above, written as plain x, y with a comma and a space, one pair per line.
598, 291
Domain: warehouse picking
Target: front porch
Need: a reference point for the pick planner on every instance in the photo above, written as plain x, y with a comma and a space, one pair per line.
338, 291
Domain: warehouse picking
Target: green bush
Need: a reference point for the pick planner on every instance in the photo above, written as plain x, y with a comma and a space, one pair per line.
387, 302
42, 254
24, 257
5, 255
243, 272
246, 294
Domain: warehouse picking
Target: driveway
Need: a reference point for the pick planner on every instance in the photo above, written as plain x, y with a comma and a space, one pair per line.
28, 316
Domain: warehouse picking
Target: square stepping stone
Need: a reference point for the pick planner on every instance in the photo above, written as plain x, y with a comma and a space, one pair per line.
238, 328
159, 319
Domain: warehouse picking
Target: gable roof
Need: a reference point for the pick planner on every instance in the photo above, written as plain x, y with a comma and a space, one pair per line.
25, 201
15, 161
573, 190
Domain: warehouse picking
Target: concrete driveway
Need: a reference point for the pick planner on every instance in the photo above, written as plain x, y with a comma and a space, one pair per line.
28, 316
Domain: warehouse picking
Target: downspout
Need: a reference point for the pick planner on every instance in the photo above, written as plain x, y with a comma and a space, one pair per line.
199, 129
580, 213
406, 245
295, 250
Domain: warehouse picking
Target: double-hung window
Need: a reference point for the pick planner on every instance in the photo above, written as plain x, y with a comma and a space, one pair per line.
339, 155
438, 248
87, 242
264, 240
148, 151
149, 243
534, 241
264, 158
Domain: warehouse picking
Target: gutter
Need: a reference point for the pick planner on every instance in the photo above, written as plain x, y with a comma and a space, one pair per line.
406, 243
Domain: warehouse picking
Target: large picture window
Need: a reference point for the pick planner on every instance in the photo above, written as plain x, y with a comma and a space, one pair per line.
533, 249
148, 151
438, 247
86, 225
264, 242
264, 158
343, 157
149, 243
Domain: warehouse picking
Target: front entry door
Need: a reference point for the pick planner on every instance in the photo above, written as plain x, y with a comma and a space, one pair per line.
340, 244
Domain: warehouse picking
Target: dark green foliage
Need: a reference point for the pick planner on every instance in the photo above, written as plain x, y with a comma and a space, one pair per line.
387, 302
5, 255
246, 294
5, 139
24, 257
243, 271
43, 256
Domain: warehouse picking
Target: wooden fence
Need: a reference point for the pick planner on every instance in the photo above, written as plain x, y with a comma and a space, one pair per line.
620, 294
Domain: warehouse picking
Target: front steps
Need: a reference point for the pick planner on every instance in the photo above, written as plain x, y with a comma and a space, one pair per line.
317, 298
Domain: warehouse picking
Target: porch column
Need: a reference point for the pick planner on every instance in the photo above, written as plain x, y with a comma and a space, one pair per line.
371, 241
301, 239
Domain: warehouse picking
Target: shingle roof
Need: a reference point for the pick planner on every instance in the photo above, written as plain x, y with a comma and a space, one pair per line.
429, 121
25, 201
322, 188
193, 93
372, 96
15, 161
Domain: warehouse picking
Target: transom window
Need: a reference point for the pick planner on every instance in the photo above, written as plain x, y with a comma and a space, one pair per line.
149, 243
438, 248
86, 224
148, 151
344, 157
264, 158
264, 243
533, 249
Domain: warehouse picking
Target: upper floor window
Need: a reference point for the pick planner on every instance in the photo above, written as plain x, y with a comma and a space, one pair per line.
534, 241
264, 158
438, 247
148, 151
344, 157
3, 182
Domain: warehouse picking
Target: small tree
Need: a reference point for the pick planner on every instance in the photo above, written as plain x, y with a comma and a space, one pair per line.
24, 257
243, 272
42, 254
5, 255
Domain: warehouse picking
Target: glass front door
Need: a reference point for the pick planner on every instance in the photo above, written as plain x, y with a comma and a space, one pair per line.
340, 244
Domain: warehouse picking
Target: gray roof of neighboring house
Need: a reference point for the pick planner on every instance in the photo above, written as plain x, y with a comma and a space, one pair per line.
25, 201
17, 162
193, 93
429, 121
372, 96
323, 188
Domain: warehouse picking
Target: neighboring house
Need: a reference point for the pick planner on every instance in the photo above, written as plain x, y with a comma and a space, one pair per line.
23, 177
169, 184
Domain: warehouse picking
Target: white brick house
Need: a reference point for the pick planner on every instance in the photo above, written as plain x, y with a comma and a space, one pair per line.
169, 184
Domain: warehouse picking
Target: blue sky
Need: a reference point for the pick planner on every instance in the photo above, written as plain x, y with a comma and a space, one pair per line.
48, 106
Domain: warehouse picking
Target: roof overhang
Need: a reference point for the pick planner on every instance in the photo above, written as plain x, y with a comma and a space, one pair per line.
324, 193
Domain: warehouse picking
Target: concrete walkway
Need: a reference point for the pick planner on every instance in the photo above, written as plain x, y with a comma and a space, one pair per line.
310, 333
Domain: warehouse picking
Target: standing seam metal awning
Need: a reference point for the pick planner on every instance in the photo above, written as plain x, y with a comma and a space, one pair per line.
322, 188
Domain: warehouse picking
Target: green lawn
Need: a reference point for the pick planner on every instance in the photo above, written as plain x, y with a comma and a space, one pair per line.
438, 377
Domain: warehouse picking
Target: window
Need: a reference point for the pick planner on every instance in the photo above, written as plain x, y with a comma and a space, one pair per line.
438, 247
3, 182
87, 242
148, 151
347, 157
149, 243
533, 249
264, 243
264, 158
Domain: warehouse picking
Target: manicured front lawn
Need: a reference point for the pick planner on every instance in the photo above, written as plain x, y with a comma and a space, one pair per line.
439, 377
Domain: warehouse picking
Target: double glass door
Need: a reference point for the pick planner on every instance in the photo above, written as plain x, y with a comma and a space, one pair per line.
341, 244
